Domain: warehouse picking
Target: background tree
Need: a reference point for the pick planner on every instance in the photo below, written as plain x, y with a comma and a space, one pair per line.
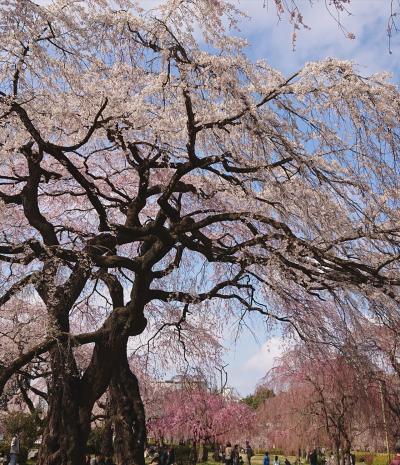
323, 401
261, 394
202, 417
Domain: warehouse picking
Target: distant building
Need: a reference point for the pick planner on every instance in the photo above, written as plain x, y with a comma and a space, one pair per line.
229, 393
184, 381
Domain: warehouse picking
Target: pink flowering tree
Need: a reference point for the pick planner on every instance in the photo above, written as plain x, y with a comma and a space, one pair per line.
323, 400
202, 417
152, 178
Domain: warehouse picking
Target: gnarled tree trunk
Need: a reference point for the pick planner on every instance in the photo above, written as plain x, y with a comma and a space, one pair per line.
64, 438
128, 417
71, 398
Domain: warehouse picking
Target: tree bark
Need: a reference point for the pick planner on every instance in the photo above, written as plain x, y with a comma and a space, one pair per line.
347, 452
107, 448
337, 452
194, 453
64, 437
216, 456
128, 417
204, 452
342, 457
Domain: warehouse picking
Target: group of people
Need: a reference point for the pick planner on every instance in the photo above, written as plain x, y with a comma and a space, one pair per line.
98, 460
15, 450
160, 455
233, 455
165, 455
319, 457
267, 461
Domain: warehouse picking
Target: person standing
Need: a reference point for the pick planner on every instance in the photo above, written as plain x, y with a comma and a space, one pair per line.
331, 459
170, 456
14, 449
276, 461
313, 457
235, 455
266, 459
163, 451
396, 458
228, 454
249, 453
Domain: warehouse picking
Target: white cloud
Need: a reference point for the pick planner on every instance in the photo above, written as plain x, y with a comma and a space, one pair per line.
252, 361
265, 358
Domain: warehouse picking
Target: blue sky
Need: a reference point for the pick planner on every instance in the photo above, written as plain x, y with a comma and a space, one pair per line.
271, 38
252, 355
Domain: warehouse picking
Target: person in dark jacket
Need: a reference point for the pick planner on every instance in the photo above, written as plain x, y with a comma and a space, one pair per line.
235, 455
313, 458
163, 455
170, 458
248, 453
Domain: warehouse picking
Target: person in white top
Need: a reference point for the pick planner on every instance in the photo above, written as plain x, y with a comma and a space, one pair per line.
14, 449
331, 460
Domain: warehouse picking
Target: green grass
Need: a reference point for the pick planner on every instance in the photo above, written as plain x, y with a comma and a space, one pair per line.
372, 458
259, 459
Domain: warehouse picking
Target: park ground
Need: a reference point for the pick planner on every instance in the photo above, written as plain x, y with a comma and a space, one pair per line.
366, 458
362, 458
